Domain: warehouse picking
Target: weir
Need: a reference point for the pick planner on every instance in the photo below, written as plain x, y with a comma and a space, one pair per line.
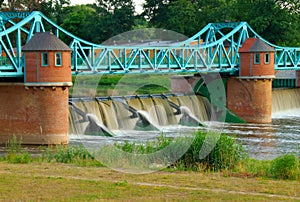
148, 112
103, 115
285, 101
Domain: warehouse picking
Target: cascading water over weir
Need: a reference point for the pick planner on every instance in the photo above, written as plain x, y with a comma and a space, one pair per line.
285, 101
103, 116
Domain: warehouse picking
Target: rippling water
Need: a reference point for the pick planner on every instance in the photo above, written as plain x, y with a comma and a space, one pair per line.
261, 141
267, 141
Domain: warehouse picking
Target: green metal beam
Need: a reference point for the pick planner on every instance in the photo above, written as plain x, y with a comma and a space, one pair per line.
210, 50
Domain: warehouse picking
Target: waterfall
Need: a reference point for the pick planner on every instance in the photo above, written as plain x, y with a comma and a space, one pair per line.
285, 100
151, 112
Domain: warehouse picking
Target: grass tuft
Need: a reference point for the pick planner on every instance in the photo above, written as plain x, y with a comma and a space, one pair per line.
15, 153
285, 167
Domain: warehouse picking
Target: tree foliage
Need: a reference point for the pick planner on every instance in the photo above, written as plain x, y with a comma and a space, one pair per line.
80, 16
275, 20
31, 5
180, 14
115, 17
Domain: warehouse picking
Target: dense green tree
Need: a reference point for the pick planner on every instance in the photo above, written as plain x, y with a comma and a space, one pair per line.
3, 5
22, 5
292, 6
114, 17
80, 21
140, 22
48, 7
273, 21
186, 16
209, 11
56, 10
181, 17
155, 11
32, 5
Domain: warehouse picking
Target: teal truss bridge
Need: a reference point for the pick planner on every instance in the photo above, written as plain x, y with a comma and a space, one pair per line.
213, 49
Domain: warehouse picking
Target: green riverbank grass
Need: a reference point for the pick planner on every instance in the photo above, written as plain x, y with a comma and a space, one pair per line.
107, 85
69, 173
38, 181
226, 156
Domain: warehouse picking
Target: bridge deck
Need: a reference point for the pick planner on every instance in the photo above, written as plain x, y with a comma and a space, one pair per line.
211, 50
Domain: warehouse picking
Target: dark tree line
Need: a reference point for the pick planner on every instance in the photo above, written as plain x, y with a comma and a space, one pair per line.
275, 20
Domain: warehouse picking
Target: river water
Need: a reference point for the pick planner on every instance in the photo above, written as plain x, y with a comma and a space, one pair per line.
267, 141
261, 141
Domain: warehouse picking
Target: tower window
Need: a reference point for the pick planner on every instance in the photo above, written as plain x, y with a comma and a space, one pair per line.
267, 58
45, 60
58, 59
257, 58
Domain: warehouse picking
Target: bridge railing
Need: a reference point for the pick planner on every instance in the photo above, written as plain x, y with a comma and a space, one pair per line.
287, 58
156, 59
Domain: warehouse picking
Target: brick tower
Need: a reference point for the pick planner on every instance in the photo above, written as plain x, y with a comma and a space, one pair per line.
37, 110
250, 94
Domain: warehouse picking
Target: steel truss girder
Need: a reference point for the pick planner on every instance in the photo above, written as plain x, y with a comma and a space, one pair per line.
212, 49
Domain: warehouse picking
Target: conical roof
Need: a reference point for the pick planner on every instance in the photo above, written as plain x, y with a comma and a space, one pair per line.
255, 45
45, 41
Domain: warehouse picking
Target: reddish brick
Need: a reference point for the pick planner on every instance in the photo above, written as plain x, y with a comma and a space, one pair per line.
35, 72
250, 99
38, 116
247, 52
37, 111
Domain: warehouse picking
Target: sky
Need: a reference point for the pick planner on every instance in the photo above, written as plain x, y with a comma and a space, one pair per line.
138, 3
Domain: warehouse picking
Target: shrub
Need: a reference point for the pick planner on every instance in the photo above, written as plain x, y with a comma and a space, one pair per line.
224, 154
285, 167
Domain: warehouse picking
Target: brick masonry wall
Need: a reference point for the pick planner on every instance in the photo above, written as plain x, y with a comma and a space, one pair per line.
35, 72
37, 115
250, 99
248, 68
